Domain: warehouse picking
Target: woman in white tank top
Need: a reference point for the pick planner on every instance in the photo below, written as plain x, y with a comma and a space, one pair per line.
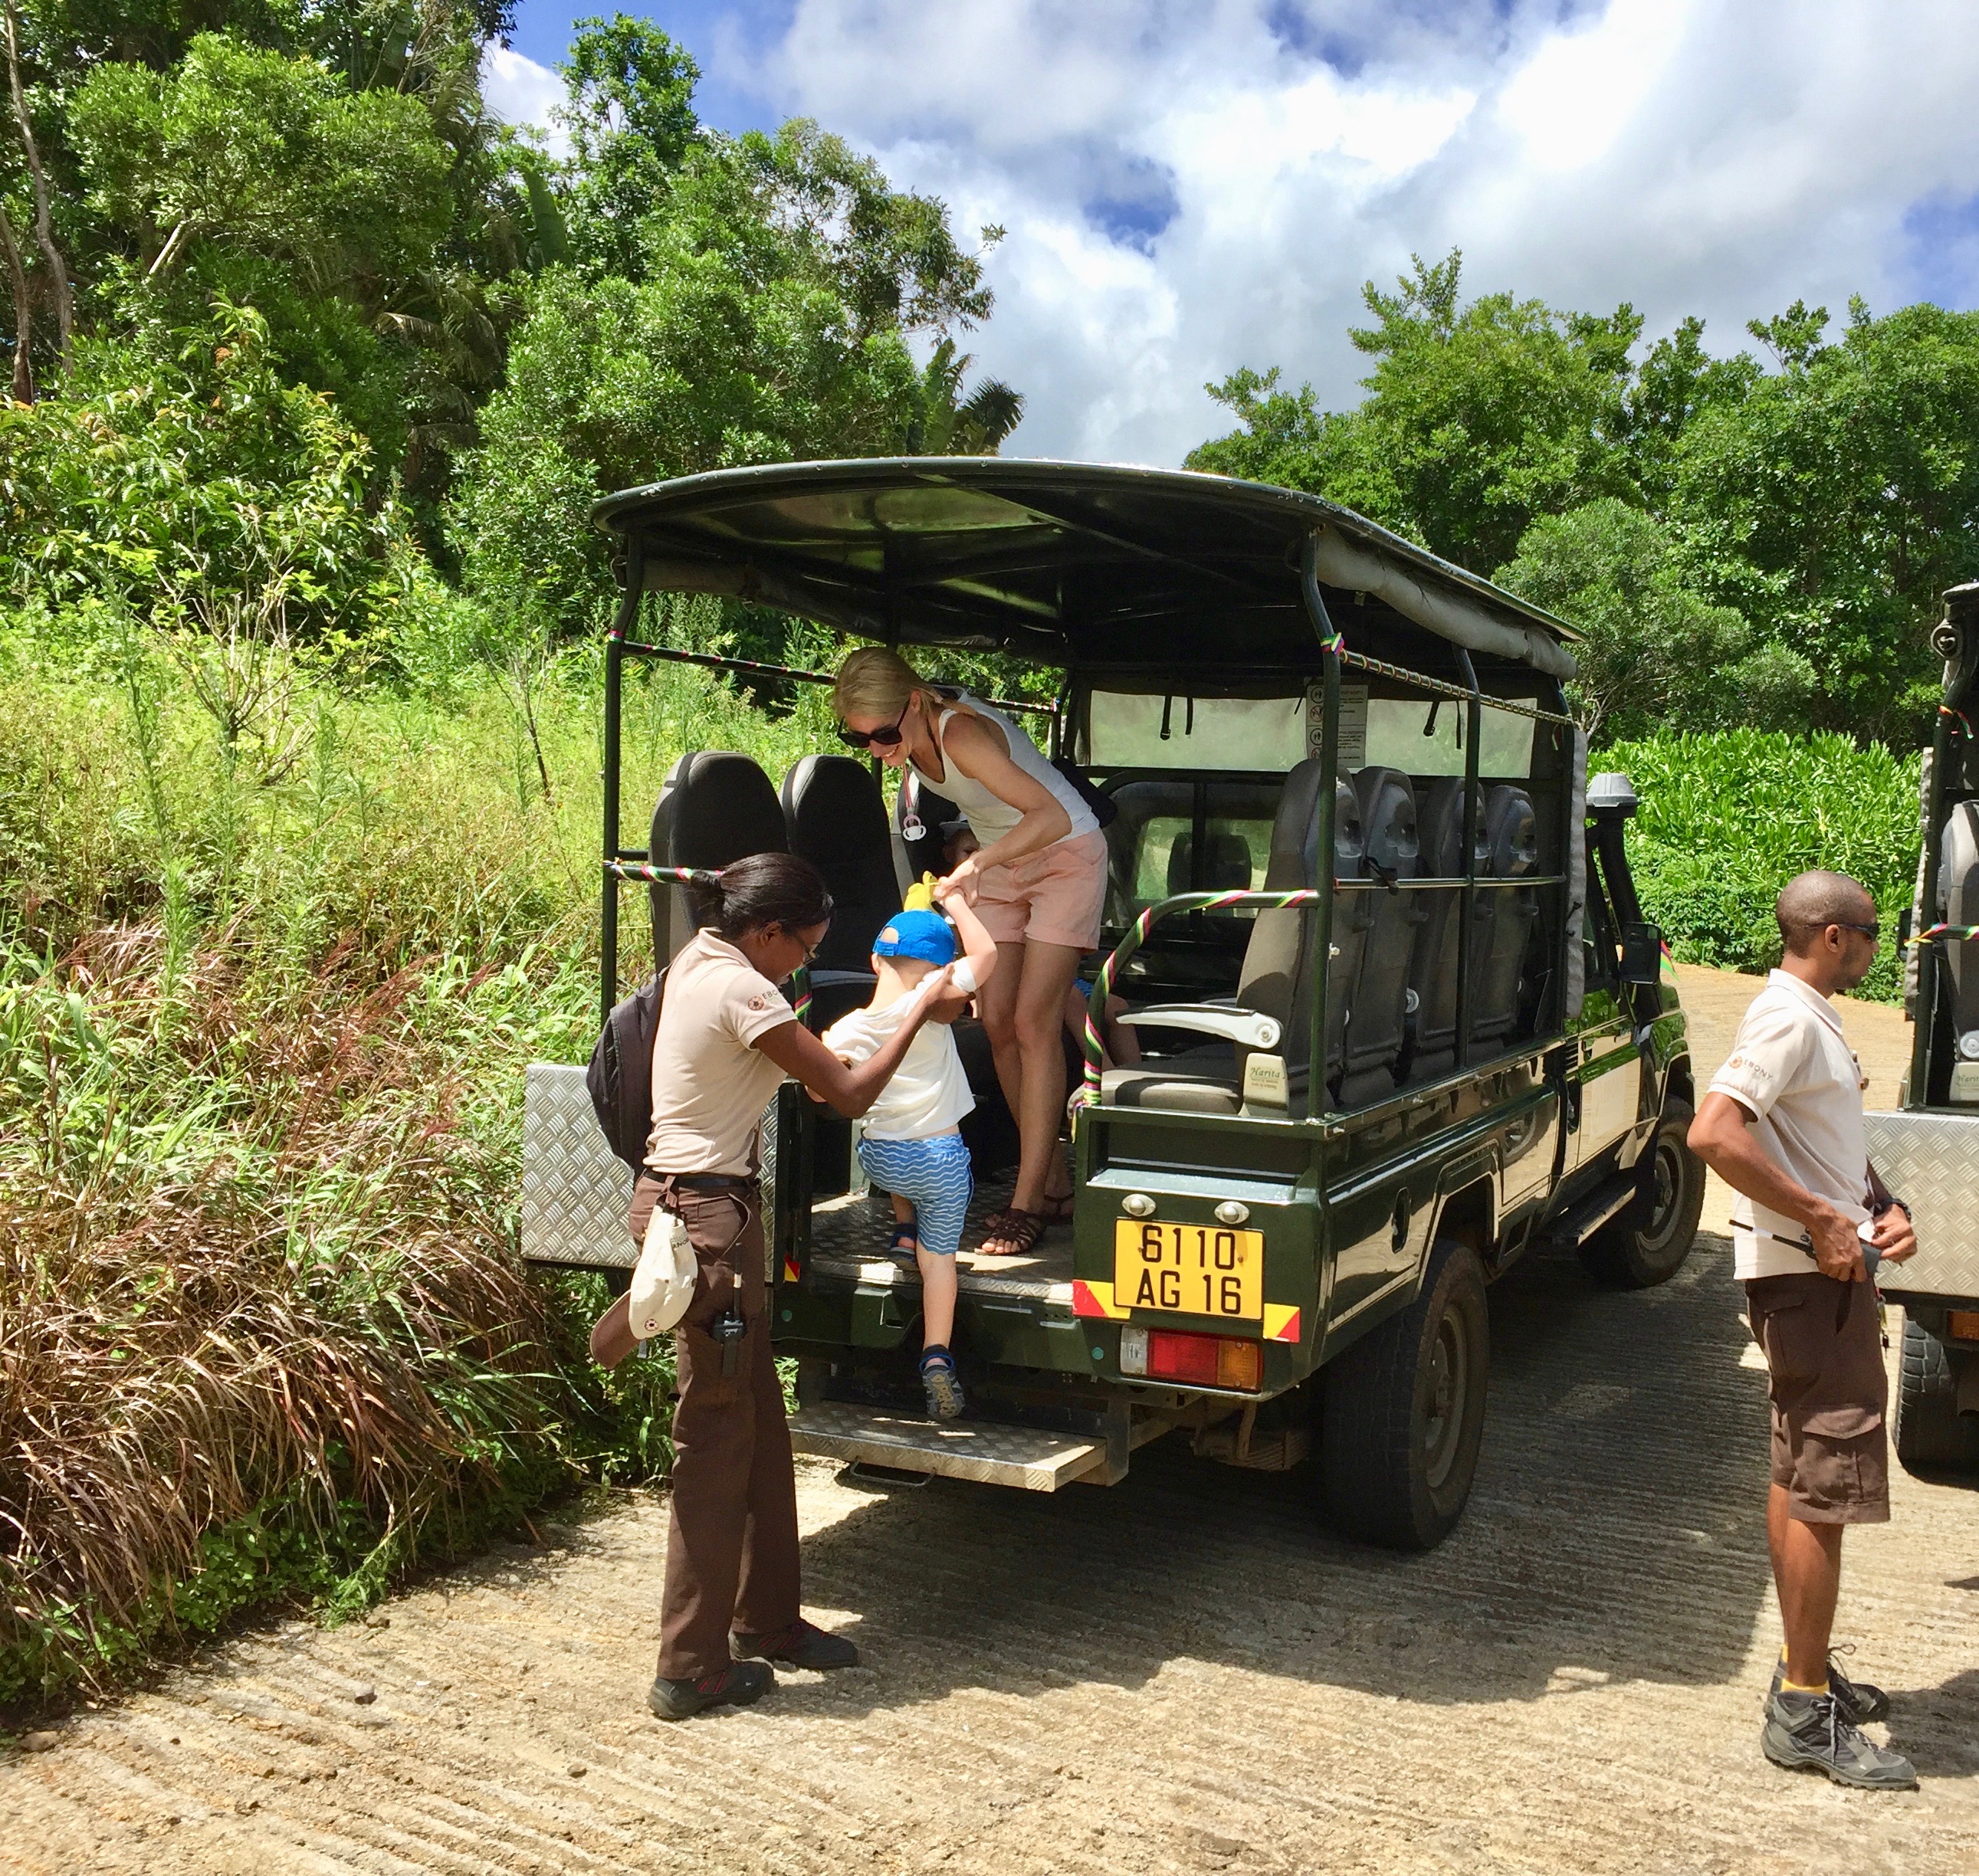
1038, 883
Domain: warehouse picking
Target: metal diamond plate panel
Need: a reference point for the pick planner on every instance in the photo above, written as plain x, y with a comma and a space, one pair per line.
574, 1193
574, 1190
1027, 1457
1932, 1162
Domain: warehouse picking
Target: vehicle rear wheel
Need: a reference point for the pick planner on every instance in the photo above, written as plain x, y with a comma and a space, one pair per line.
1402, 1411
1647, 1243
1930, 1434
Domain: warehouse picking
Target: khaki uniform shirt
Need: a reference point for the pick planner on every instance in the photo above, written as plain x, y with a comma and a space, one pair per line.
710, 1084
1792, 1070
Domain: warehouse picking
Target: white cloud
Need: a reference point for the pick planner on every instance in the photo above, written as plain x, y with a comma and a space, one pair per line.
520, 91
1191, 187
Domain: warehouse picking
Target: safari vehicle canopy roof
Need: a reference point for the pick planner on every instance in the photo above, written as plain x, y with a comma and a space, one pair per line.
1065, 563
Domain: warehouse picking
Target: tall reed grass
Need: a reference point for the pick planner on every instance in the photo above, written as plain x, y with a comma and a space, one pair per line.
276, 941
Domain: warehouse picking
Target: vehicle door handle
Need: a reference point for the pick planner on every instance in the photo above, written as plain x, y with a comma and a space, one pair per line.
1400, 1235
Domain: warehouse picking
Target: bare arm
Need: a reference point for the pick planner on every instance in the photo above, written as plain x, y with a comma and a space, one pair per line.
1721, 1136
978, 950
977, 748
848, 1091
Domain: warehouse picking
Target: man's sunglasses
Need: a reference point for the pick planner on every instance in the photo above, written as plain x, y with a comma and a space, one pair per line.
1872, 932
885, 737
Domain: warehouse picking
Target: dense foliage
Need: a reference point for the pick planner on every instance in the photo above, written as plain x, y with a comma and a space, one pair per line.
1743, 544
310, 212
1727, 820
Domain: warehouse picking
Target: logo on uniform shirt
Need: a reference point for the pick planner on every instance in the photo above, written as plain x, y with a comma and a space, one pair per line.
759, 1001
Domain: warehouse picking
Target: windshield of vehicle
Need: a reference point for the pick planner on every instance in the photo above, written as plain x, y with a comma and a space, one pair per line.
1127, 729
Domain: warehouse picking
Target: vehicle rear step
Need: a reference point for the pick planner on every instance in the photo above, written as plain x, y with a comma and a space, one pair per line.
1031, 1458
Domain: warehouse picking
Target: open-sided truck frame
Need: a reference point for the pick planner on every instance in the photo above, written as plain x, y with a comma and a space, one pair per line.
1928, 1151
1375, 1218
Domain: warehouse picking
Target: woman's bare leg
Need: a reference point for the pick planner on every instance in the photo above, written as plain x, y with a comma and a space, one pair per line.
996, 1003
1047, 974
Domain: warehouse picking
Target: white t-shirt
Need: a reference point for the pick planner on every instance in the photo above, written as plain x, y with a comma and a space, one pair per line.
710, 1083
1791, 1068
929, 1093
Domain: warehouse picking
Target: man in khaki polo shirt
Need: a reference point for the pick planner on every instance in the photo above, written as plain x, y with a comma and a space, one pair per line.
1783, 1126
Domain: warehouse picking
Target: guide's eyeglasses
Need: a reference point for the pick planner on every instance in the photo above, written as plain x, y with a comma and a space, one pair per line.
887, 737
1871, 932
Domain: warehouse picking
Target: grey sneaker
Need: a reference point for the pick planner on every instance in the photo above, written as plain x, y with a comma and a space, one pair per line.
942, 1386
1859, 1702
740, 1684
1804, 1730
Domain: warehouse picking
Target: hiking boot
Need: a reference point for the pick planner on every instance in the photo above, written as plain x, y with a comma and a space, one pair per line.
740, 1684
942, 1386
802, 1645
1804, 1730
1860, 1702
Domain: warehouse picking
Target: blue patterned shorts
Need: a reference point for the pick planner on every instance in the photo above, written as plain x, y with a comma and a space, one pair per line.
934, 1176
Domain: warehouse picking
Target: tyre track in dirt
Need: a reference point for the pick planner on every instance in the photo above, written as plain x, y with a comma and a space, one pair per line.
1183, 1673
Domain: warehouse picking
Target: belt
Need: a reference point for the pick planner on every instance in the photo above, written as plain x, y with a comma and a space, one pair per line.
704, 1181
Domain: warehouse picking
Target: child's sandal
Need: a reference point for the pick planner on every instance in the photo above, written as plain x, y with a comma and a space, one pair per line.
905, 1241
1019, 1229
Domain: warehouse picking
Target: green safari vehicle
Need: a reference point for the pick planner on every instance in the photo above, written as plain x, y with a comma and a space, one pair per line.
1400, 1018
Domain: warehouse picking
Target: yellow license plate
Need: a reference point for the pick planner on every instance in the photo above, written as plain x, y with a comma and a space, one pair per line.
1195, 1269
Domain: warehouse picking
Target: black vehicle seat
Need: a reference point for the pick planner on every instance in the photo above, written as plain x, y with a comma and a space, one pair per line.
918, 807
836, 820
1509, 850
714, 807
1226, 866
1377, 1005
1276, 976
1433, 966
1139, 803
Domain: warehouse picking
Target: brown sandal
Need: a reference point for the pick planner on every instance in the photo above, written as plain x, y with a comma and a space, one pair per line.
1020, 1229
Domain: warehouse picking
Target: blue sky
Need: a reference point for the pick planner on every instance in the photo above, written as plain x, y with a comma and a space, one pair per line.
543, 27
1192, 185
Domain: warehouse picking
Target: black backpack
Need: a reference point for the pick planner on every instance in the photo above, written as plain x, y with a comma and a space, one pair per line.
621, 1075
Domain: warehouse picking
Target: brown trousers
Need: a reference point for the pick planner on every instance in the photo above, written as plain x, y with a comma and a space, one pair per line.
732, 1538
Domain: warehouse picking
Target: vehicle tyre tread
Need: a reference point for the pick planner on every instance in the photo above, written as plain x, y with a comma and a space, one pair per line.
1618, 1255
1929, 1433
1370, 1483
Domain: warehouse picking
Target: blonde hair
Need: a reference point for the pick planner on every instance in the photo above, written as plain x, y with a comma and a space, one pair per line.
874, 681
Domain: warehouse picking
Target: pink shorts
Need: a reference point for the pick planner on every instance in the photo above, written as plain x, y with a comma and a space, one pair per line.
1054, 897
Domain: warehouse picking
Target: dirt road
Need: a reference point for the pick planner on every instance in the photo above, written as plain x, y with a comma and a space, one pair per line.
1180, 1674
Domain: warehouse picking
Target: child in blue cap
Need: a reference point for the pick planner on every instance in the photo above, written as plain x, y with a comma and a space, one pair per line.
910, 1143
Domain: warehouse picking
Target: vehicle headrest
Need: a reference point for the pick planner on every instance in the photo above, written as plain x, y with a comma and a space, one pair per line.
714, 807
838, 821
1226, 863
1388, 819
1511, 836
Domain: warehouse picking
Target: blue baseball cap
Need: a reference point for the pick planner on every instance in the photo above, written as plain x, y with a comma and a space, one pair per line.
925, 935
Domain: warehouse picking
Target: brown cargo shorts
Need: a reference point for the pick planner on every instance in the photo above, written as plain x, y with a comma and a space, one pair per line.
1823, 1343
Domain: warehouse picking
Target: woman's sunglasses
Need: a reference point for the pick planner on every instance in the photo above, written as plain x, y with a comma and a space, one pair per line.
885, 737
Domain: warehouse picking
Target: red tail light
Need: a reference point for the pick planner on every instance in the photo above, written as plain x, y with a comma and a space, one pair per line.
1203, 1360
